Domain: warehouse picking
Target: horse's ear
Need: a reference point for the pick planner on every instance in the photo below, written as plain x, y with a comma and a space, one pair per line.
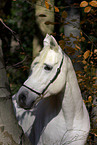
51, 42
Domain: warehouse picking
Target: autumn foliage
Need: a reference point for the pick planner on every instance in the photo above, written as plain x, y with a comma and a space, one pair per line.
88, 5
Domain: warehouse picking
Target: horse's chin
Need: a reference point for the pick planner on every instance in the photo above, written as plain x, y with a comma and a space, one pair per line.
31, 107
27, 106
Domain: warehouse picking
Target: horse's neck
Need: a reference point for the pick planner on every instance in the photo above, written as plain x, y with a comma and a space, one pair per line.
72, 102
49, 107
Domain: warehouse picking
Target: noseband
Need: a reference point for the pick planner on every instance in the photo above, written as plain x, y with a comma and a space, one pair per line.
51, 81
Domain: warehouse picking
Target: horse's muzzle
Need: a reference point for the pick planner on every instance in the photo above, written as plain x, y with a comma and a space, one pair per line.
25, 98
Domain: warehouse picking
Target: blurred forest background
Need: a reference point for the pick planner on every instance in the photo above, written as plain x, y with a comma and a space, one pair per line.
21, 38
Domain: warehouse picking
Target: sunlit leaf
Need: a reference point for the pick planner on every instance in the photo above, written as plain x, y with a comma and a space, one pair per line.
86, 54
75, 42
77, 47
84, 62
47, 5
54, 34
95, 51
84, 101
64, 14
71, 35
82, 22
62, 44
90, 99
89, 42
61, 34
70, 50
1, 20
93, 3
82, 39
25, 68
81, 33
87, 9
56, 9
94, 78
83, 4
95, 86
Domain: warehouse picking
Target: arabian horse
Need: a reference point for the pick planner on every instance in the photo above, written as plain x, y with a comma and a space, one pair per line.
49, 105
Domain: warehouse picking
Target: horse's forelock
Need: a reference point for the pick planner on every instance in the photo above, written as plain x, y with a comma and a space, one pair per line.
48, 52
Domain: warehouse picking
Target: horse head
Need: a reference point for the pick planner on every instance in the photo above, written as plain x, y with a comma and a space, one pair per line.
47, 75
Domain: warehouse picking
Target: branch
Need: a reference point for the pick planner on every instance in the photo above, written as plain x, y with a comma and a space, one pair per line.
13, 33
17, 64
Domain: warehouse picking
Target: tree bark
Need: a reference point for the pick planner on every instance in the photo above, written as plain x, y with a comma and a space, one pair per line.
10, 132
41, 29
73, 27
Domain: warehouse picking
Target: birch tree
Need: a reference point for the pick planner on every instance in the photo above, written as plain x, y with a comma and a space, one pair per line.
10, 132
43, 13
72, 30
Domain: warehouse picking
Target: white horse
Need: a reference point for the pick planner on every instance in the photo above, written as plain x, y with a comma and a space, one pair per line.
54, 112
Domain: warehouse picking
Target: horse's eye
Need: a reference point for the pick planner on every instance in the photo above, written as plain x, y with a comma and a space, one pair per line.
48, 67
36, 63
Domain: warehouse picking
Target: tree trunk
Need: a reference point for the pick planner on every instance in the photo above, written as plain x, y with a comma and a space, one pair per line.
41, 29
73, 28
10, 132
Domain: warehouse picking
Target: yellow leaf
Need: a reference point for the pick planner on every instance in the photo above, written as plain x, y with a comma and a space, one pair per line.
95, 86
81, 33
93, 3
86, 54
95, 51
94, 78
87, 9
56, 9
77, 47
85, 101
62, 44
82, 39
90, 99
85, 67
71, 35
47, 5
83, 4
64, 14
84, 62
1, 20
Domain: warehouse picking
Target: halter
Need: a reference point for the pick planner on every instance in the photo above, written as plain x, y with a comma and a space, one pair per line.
51, 81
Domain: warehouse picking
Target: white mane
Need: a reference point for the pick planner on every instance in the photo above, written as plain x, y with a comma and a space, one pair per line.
61, 116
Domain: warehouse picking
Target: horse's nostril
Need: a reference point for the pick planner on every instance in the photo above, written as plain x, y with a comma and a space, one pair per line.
22, 99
